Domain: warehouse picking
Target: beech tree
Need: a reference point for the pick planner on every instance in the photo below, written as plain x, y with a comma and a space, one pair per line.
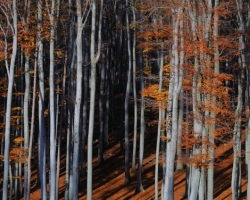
42, 139
10, 69
181, 68
94, 57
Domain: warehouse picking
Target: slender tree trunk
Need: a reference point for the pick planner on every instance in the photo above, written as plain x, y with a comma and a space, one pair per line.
101, 113
85, 102
127, 174
8, 106
247, 101
62, 116
194, 176
26, 106
93, 59
11, 181
52, 108
26, 123
135, 95
247, 145
42, 139
210, 172
160, 118
173, 103
71, 62
236, 172
78, 101
31, 130
107, 99
139, 186
179, 165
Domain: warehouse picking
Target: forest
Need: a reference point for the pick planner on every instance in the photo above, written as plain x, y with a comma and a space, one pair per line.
93, 90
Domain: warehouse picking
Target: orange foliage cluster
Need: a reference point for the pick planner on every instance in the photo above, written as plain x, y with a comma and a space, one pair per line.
152, 91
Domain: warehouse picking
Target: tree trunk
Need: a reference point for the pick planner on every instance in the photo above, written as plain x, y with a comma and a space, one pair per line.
93, 59
210, 171
173, 110
26, 123
139, 186
42, 139
101, 113
71, 62
135, 95
127, 174
52, 108
78, 101
236, 172
85, 102
8, 106
160, 118
31, 131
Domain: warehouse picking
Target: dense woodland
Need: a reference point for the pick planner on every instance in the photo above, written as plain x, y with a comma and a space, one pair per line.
181, 68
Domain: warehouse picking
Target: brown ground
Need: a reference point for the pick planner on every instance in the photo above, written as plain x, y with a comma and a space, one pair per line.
108, 179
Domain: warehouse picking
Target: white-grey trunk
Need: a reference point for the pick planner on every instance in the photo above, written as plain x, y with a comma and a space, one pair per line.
135, 97
139, 186
26, 122
69, 146
179, 165
202, 185
126, 103
11, 181
78, 100
32, 127
93, 59
173, 114
210, 171
26, 106
194, 177
9, 103
236, 172
160, 118
52, 109
42, 139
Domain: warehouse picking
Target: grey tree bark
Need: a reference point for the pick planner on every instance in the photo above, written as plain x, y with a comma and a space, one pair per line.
236, 172
210, 171
179, 165
26, 123
26, 101
134, 93
160, 120
173, 108
126, 103
42, 135
70, 66
139, 186
32, 127
13, 26
52, 109
78, 100
93, 59
194, 176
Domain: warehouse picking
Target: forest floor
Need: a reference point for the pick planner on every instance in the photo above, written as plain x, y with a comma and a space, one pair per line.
108, 179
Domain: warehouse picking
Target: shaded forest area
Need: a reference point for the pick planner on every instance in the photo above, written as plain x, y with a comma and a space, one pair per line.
154, 93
